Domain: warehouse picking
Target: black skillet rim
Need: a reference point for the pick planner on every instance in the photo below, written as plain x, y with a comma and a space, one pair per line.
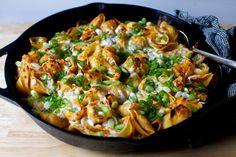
28, 110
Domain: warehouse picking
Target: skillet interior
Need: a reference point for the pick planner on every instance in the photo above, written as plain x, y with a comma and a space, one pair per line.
62, 21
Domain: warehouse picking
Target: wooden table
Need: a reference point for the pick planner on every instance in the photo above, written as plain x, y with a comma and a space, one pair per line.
21, 137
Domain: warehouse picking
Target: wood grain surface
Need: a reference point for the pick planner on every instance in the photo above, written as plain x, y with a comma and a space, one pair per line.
21, 137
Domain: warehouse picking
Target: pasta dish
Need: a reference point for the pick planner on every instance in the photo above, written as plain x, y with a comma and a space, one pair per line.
113, 79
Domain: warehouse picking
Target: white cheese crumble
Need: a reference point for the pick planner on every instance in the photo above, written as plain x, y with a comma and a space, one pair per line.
182, 94
46, 45
90, 122
46, 105
148, 23
106, 42
70, 95
33, 82
35, 66
98, 31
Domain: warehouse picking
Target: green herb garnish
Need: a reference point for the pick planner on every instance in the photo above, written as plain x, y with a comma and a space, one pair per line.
55, 102
149, 86
60, 75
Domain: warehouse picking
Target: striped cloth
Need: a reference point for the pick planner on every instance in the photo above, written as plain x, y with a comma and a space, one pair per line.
222, 41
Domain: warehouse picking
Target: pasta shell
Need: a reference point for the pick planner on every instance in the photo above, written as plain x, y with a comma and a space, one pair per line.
171, 31
138, 42
169, 47
88, 51
177, 115
156, 124
141, 85
73, 68
189, 104
131, 26
121, 42
125, 109
37, 85
121, 29
201, 69
72, 32
136, 64
74, 115
53, 66
128, 129
109, 26
37, 42
185, 68
23, 82
205, 79
198, 59
54, 119
31, 57
110, 56
97, 115
97, 21
141, 124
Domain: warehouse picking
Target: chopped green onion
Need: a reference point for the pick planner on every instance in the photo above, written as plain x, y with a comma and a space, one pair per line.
81, 97
34, 94
41, 53
148, 108
64, 80
149, 86
124, 71
132, 97
162, 97
191, 97
103, 36
201, 87
162, 39
19, 64
114, 104
142, 22
104, 109
92, 27
73, 109
55, 102
81, 63
119, 127
111, 123
99, 133
44, 77
160, 113
188, 55
60, 75
133, 89
194, 110
107, 82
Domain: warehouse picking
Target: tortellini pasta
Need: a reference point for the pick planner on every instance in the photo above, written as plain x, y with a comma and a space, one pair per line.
113, 79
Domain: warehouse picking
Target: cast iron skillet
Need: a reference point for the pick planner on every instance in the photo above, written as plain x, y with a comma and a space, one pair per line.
47, 27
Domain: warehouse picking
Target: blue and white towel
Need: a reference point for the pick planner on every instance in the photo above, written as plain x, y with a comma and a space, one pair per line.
222, 41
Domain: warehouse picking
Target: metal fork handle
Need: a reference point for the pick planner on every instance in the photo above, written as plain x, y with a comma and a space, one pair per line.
216, 58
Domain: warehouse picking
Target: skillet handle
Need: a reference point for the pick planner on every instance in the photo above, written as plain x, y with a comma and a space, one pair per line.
7, 95
7, 48
5, 92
